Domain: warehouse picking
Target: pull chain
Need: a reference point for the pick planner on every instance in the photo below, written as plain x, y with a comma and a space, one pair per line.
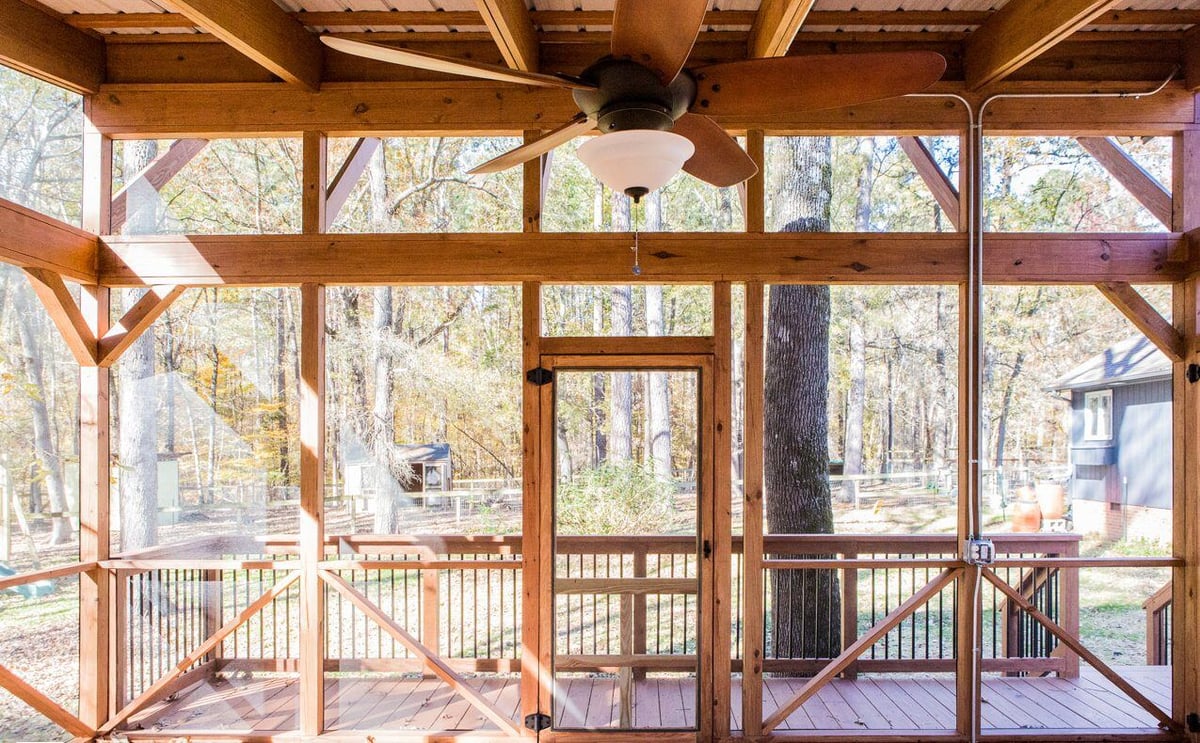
637, 266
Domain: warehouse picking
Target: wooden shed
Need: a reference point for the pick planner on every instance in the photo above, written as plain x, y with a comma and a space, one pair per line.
315, 634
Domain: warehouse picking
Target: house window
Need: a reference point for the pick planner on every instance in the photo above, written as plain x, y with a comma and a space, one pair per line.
1097, 415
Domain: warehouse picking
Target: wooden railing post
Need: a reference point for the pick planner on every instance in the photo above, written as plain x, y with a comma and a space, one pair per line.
1068, 597
431, 600
849, 610
625, 673
639, 613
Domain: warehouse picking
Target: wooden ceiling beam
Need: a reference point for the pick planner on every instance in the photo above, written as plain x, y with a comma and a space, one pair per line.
511, 28
1020, 31
603, 18
1139, 183
858, 258
467, 108
776, 25
1191, 59
33, 240
41, 45
262, 31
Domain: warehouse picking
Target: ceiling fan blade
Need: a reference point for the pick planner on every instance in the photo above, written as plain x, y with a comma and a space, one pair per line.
719, 159
565, 133
658, 34
438, 63
787, 85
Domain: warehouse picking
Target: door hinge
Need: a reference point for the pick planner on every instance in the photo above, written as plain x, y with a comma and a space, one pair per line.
537, 722
707, 549
540, 376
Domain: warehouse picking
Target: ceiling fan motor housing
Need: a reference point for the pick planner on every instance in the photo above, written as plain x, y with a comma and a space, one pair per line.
631, 96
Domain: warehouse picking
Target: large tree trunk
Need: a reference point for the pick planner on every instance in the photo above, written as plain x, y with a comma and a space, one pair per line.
856, 402
49, 462
381, 429
659, 392
805, 604
138, 424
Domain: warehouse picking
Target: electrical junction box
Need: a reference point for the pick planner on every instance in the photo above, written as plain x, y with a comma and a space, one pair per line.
979, 551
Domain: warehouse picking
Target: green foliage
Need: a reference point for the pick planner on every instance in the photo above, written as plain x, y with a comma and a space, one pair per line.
614, 498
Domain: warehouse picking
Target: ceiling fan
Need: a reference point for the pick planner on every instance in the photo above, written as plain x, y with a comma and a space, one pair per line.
654, 115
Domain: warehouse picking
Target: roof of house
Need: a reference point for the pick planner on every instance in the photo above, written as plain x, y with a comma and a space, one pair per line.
1132, 360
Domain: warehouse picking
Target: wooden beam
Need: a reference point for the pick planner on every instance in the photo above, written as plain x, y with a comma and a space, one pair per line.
43, 704
33, 240
156, 175
65, 313
39, 44
776, 25
944, 192
1191, 59
511, 27
248, 260
312, 513
1144, 317
754, 190
847, 656
1020, 31
462, 108
1140, 184
1185, 512
533, 601
135, 321
348, 176
313, 189
262, 31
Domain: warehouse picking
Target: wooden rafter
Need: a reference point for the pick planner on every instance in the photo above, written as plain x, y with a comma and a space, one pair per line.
43, 704
135, 321
431, 659
164, 684
776, 25
262, 31
41, 45
1191, 58
1073, 643
65, 313
156, 174
347, 176
1020, 31
944, 192
1140, 184
800, 257
511, 27
848, 656
1145, 318
32, 239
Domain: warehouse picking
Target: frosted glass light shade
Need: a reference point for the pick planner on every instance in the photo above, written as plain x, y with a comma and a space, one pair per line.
635, 161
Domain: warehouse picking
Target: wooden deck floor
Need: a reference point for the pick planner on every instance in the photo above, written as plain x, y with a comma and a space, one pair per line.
391, 704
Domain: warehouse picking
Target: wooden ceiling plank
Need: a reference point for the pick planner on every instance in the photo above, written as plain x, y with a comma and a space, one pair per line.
348, 176
513, 31
1020, 31
1191, 59
135, 321
776, 25
31, 239
944, 192
1145, 318
39, 44
157, 174
1139, 183
266, 260
54, 295
262, 31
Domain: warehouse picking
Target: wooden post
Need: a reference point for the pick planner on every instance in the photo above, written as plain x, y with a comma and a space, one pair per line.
312, 511
625, 673
99, 635
849, 610
431, 603
535, 607
1185, 644
531, 189
722, 508
752, 516
313, 196
639, 611
1068, 597
755, 188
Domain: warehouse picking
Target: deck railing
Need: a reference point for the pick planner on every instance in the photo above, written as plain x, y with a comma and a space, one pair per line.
461, 596
1159, 626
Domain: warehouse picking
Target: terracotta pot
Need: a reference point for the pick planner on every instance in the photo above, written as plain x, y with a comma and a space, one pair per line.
1026, 513
1052, 498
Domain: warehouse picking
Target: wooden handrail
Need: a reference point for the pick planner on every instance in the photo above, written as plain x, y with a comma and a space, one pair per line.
1158, 639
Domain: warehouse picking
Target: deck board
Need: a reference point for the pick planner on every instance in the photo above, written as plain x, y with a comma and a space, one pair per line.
267, 704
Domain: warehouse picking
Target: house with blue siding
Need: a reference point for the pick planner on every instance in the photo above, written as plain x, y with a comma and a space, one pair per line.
1120, 446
